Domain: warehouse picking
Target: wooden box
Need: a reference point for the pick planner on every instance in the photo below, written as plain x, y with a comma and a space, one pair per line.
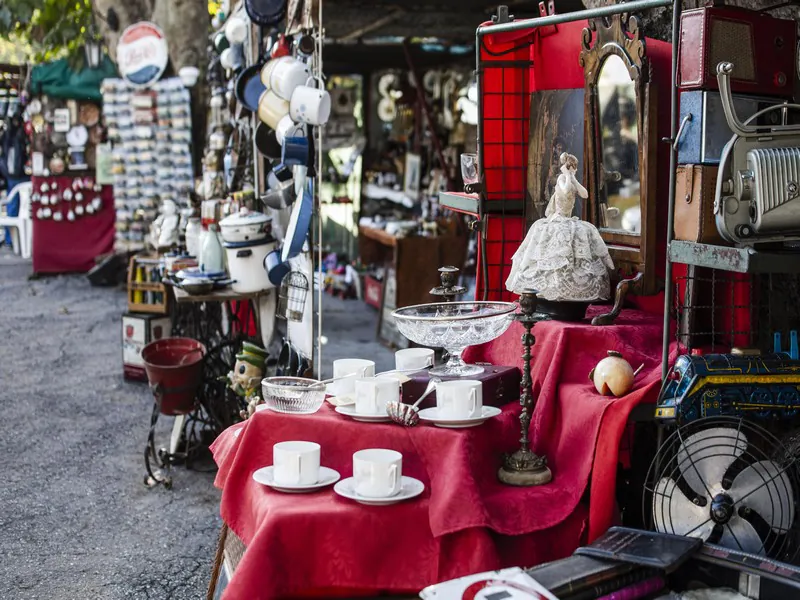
138, 330
146, 292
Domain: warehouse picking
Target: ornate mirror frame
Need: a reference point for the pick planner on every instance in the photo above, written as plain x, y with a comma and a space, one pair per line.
621, 35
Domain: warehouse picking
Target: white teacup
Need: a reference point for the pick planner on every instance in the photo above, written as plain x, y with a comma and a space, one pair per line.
374, 393
413, 358
288, 75
295, 463
377, 472
459, 399
272, 108
351, 369
288, 128
310, 104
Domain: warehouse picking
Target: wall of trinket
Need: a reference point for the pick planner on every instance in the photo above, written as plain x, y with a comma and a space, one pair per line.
151, 133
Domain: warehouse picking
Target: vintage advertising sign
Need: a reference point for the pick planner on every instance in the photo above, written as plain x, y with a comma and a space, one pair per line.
142, 54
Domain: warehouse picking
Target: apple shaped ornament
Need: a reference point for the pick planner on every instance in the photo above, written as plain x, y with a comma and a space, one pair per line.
613, 375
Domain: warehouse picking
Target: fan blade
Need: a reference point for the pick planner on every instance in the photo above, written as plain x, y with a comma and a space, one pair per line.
704, 457
674, 513
763, 488
738, 534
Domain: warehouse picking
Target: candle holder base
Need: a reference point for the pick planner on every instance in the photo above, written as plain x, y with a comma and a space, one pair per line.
524, 469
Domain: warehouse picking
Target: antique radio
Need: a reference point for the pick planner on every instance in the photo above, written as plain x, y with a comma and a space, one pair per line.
757, 197
762, 48
705, 132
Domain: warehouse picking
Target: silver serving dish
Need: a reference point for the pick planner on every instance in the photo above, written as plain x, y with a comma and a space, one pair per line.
454, 326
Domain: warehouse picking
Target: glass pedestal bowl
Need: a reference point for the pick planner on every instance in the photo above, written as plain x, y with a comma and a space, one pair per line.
454, 326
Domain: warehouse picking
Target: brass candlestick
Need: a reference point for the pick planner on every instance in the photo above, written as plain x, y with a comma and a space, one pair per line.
448, 290
524, 467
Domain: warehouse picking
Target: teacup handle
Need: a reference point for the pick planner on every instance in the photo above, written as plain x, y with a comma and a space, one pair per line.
394, 477
314, 79
299, 469
473, 401
429, 361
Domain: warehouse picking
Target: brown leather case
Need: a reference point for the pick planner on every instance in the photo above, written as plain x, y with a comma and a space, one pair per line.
500, 386
695, 187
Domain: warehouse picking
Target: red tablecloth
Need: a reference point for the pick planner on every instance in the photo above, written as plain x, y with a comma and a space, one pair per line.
71, 246
466, 521
576, 428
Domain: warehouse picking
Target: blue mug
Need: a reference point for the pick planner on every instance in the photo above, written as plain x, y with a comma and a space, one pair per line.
294, 151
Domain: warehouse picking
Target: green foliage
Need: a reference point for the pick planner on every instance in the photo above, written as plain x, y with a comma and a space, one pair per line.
54, 28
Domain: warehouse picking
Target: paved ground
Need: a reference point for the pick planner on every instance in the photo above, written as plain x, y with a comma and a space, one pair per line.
75, 520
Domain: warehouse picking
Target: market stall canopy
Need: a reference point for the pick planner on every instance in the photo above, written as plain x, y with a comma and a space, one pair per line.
451, 20
58, 80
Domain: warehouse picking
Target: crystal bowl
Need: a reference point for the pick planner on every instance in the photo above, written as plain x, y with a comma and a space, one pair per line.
454, 326
294, 395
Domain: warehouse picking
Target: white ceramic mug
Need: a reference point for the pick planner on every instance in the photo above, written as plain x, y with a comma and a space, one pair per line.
288, 75
288, 128
413, 358
459, 399
377, 472
269, 66
295, 463
353, 368
272, 108
374, 393
310, 104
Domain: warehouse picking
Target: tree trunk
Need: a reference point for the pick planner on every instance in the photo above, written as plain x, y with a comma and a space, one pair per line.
185, 24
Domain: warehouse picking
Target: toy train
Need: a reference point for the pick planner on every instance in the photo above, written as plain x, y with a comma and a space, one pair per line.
757, 386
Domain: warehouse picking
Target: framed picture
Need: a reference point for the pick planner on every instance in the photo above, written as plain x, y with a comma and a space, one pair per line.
61, 122
556, 126
412, 175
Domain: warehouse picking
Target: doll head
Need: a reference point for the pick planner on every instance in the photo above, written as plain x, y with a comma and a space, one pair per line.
569, 160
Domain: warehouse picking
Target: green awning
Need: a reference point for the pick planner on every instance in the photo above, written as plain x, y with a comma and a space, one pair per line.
58, 80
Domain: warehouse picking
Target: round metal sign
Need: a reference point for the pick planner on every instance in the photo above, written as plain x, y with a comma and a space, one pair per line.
142, 54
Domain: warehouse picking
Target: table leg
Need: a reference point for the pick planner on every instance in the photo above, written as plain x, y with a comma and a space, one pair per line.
219, 558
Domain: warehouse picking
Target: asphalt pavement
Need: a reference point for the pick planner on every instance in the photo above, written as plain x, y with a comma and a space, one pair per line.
76, 521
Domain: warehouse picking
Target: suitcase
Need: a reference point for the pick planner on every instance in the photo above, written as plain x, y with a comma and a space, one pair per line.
761, 48
695, 188
500, 386
705, 135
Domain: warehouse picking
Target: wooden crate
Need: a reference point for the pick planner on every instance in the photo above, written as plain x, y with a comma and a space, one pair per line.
138, 291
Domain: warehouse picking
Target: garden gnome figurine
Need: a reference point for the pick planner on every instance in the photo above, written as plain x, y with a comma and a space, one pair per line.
563, 257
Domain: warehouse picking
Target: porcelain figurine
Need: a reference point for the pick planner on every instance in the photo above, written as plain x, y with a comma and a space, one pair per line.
613, 375
164, 230
563, 257
245, 379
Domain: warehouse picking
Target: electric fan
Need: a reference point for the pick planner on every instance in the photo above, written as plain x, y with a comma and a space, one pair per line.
727, 481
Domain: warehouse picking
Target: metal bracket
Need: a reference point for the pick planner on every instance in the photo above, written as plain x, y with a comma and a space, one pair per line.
502, 15
476, 225
547, 11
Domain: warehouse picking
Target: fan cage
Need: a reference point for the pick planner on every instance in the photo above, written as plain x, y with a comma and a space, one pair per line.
761, 446
292, 296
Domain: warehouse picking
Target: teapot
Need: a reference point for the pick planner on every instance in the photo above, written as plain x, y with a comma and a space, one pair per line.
613, 375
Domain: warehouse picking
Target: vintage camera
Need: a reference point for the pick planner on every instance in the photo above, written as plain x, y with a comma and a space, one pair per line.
757, 198
762, 47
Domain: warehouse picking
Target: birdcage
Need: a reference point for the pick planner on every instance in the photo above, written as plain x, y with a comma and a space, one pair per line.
292, 296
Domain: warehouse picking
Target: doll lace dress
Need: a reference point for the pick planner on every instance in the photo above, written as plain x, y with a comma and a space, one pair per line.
562, 257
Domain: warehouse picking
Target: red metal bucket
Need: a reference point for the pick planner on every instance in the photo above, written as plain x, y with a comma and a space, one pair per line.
174, 369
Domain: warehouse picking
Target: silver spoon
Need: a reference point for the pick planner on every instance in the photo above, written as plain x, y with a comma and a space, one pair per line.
408, 414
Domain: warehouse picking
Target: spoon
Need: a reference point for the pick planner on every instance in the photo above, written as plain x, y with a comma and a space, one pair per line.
408, 414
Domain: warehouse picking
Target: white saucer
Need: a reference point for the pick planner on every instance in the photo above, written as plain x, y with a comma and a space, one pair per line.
409, 488
432, 416
350, 411
326, 477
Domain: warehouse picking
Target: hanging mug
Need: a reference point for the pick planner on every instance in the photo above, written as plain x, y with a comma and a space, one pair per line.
310, 104
294, 151
288, 75
272, 108
288, 128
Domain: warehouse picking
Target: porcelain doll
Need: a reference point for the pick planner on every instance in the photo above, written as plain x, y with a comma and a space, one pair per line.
563, 257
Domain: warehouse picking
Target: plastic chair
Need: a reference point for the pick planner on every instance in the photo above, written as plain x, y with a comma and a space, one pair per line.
22, 236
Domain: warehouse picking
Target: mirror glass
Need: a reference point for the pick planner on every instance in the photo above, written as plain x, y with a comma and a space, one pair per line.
619, 196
